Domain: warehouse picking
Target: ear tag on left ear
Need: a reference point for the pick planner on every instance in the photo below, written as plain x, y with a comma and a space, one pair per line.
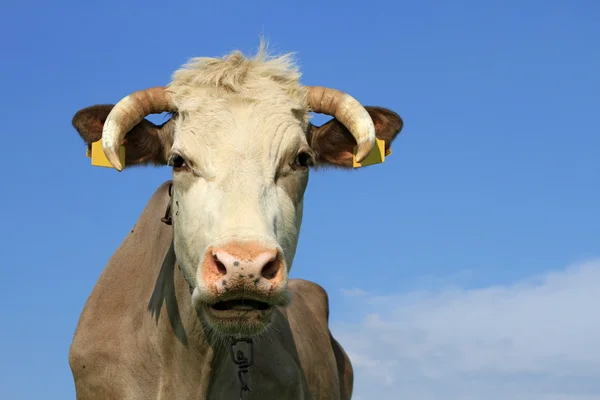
96, 153
376, 156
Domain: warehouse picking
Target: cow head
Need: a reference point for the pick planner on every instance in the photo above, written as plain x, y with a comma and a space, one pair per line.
240, 145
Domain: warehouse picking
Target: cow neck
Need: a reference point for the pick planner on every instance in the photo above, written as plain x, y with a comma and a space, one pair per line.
167, 219
242, 360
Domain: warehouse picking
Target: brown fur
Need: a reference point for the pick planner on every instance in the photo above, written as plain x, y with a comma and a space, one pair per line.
140, 338
333, 144
144, 143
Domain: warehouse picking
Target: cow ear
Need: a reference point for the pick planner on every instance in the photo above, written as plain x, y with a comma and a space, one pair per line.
333, 144
146, 143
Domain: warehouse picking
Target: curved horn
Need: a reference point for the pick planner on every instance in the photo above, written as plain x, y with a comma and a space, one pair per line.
127, 113
349, 112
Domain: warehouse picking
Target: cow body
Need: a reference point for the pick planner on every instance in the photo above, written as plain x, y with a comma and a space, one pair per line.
140, 338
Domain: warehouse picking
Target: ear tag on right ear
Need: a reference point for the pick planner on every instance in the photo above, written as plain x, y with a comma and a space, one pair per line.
96, 153
376, 156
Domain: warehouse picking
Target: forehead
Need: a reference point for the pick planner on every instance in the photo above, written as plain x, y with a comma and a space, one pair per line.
239, 101
233, 124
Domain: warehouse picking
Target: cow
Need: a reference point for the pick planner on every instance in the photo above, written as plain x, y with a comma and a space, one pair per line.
196, 302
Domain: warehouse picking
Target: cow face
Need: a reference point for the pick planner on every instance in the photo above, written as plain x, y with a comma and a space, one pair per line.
240, 146
240, 168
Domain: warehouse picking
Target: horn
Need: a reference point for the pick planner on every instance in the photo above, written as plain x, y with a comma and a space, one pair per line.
349, 112
129, 112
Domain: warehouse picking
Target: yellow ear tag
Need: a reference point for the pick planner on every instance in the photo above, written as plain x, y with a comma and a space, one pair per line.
96, 153
376, 156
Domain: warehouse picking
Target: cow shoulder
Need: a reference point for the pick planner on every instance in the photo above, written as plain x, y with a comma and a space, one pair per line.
113, 336
313, 295
339, 376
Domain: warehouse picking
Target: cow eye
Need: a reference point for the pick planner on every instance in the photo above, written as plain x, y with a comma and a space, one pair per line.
177, 162
303, 160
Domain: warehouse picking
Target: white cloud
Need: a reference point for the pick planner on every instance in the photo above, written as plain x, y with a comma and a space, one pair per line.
534, 340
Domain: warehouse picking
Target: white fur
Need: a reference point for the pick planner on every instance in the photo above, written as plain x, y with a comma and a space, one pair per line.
238, 129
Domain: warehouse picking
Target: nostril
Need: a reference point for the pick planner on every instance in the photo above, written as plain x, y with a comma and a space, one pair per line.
270, 269
244, 264
220, 266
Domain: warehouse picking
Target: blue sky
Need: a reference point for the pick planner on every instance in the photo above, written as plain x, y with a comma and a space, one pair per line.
488, 206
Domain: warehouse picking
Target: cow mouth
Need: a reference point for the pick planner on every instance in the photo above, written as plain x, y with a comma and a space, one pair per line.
240, 305
239, 316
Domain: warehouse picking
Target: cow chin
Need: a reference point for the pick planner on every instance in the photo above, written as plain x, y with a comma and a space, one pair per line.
238, 322
241, 316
